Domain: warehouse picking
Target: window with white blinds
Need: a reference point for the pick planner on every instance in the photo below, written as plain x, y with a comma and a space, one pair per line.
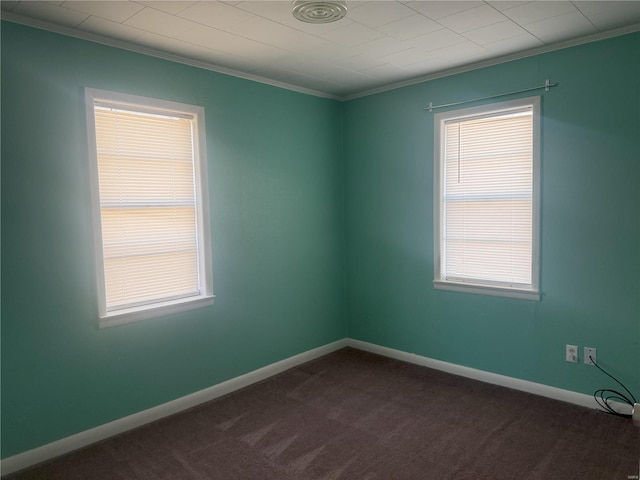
150, 188
487, 166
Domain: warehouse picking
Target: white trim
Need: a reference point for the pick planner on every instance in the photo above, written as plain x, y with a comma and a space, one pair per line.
486, 290
541, 389
136, 314
596, 37
93, 435
79, 440
152, 52
196, 114
528, 292
92, 37
635, 414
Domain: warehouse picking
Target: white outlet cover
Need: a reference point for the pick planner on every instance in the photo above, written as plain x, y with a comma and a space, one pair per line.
572, 354
589, 352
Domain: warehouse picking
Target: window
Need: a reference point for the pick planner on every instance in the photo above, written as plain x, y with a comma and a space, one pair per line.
486, 199
150, 201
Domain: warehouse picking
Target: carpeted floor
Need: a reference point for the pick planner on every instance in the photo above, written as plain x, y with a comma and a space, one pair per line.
357, 416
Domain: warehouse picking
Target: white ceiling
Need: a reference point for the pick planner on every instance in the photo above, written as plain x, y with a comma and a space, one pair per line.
379, 44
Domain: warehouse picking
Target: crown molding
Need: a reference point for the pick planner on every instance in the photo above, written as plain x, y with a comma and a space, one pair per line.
132, 47
498, 60
30, 22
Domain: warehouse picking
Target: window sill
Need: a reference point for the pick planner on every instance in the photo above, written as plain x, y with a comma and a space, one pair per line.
487, 290
135, 314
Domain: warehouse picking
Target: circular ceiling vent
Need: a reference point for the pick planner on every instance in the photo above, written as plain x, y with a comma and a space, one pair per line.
312, 11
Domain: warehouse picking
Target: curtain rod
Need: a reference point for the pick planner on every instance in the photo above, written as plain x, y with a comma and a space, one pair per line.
547, 85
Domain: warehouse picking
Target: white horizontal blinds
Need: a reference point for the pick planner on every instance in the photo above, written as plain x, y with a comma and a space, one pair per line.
147, 207
487, 203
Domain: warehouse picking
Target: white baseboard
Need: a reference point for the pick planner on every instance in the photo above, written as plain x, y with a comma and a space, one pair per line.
496, 379
83, 439
93, 435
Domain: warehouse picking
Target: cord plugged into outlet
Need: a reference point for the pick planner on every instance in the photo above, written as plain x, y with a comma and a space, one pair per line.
606, 398
589, 356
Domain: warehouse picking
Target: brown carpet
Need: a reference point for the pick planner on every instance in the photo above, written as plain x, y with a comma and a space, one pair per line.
357, 416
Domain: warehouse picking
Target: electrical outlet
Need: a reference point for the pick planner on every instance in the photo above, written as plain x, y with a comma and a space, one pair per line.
589, 353
571, 354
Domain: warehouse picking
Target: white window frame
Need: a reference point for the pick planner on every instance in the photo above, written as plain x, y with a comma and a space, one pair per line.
205, 297
530, 292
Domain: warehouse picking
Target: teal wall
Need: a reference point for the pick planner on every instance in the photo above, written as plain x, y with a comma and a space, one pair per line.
277, 210
590, 230
322, 223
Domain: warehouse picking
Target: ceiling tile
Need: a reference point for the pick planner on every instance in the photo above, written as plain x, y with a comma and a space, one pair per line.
597, 7
429, 66
471, 19
239, 64
408, 57
230, 44
215, 14
436, 10
107, 28
493, 33
384, 46
378, 43
351, 35
330, 53
317, 28
374, 14
7, 5
172, 7
161, 23
295, 78
563, 27
275, 10
207, 37
607, 15
351, 4
410, 27
202, 54
523, 42
504, 4
436, 40
387, 72
50, 13
320, 85
345, 75
367, 82
233, 62
535, 11
116, 11
362, 61
336, 73
307, 66
194, 52
466, 50
276, 35
171, 45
